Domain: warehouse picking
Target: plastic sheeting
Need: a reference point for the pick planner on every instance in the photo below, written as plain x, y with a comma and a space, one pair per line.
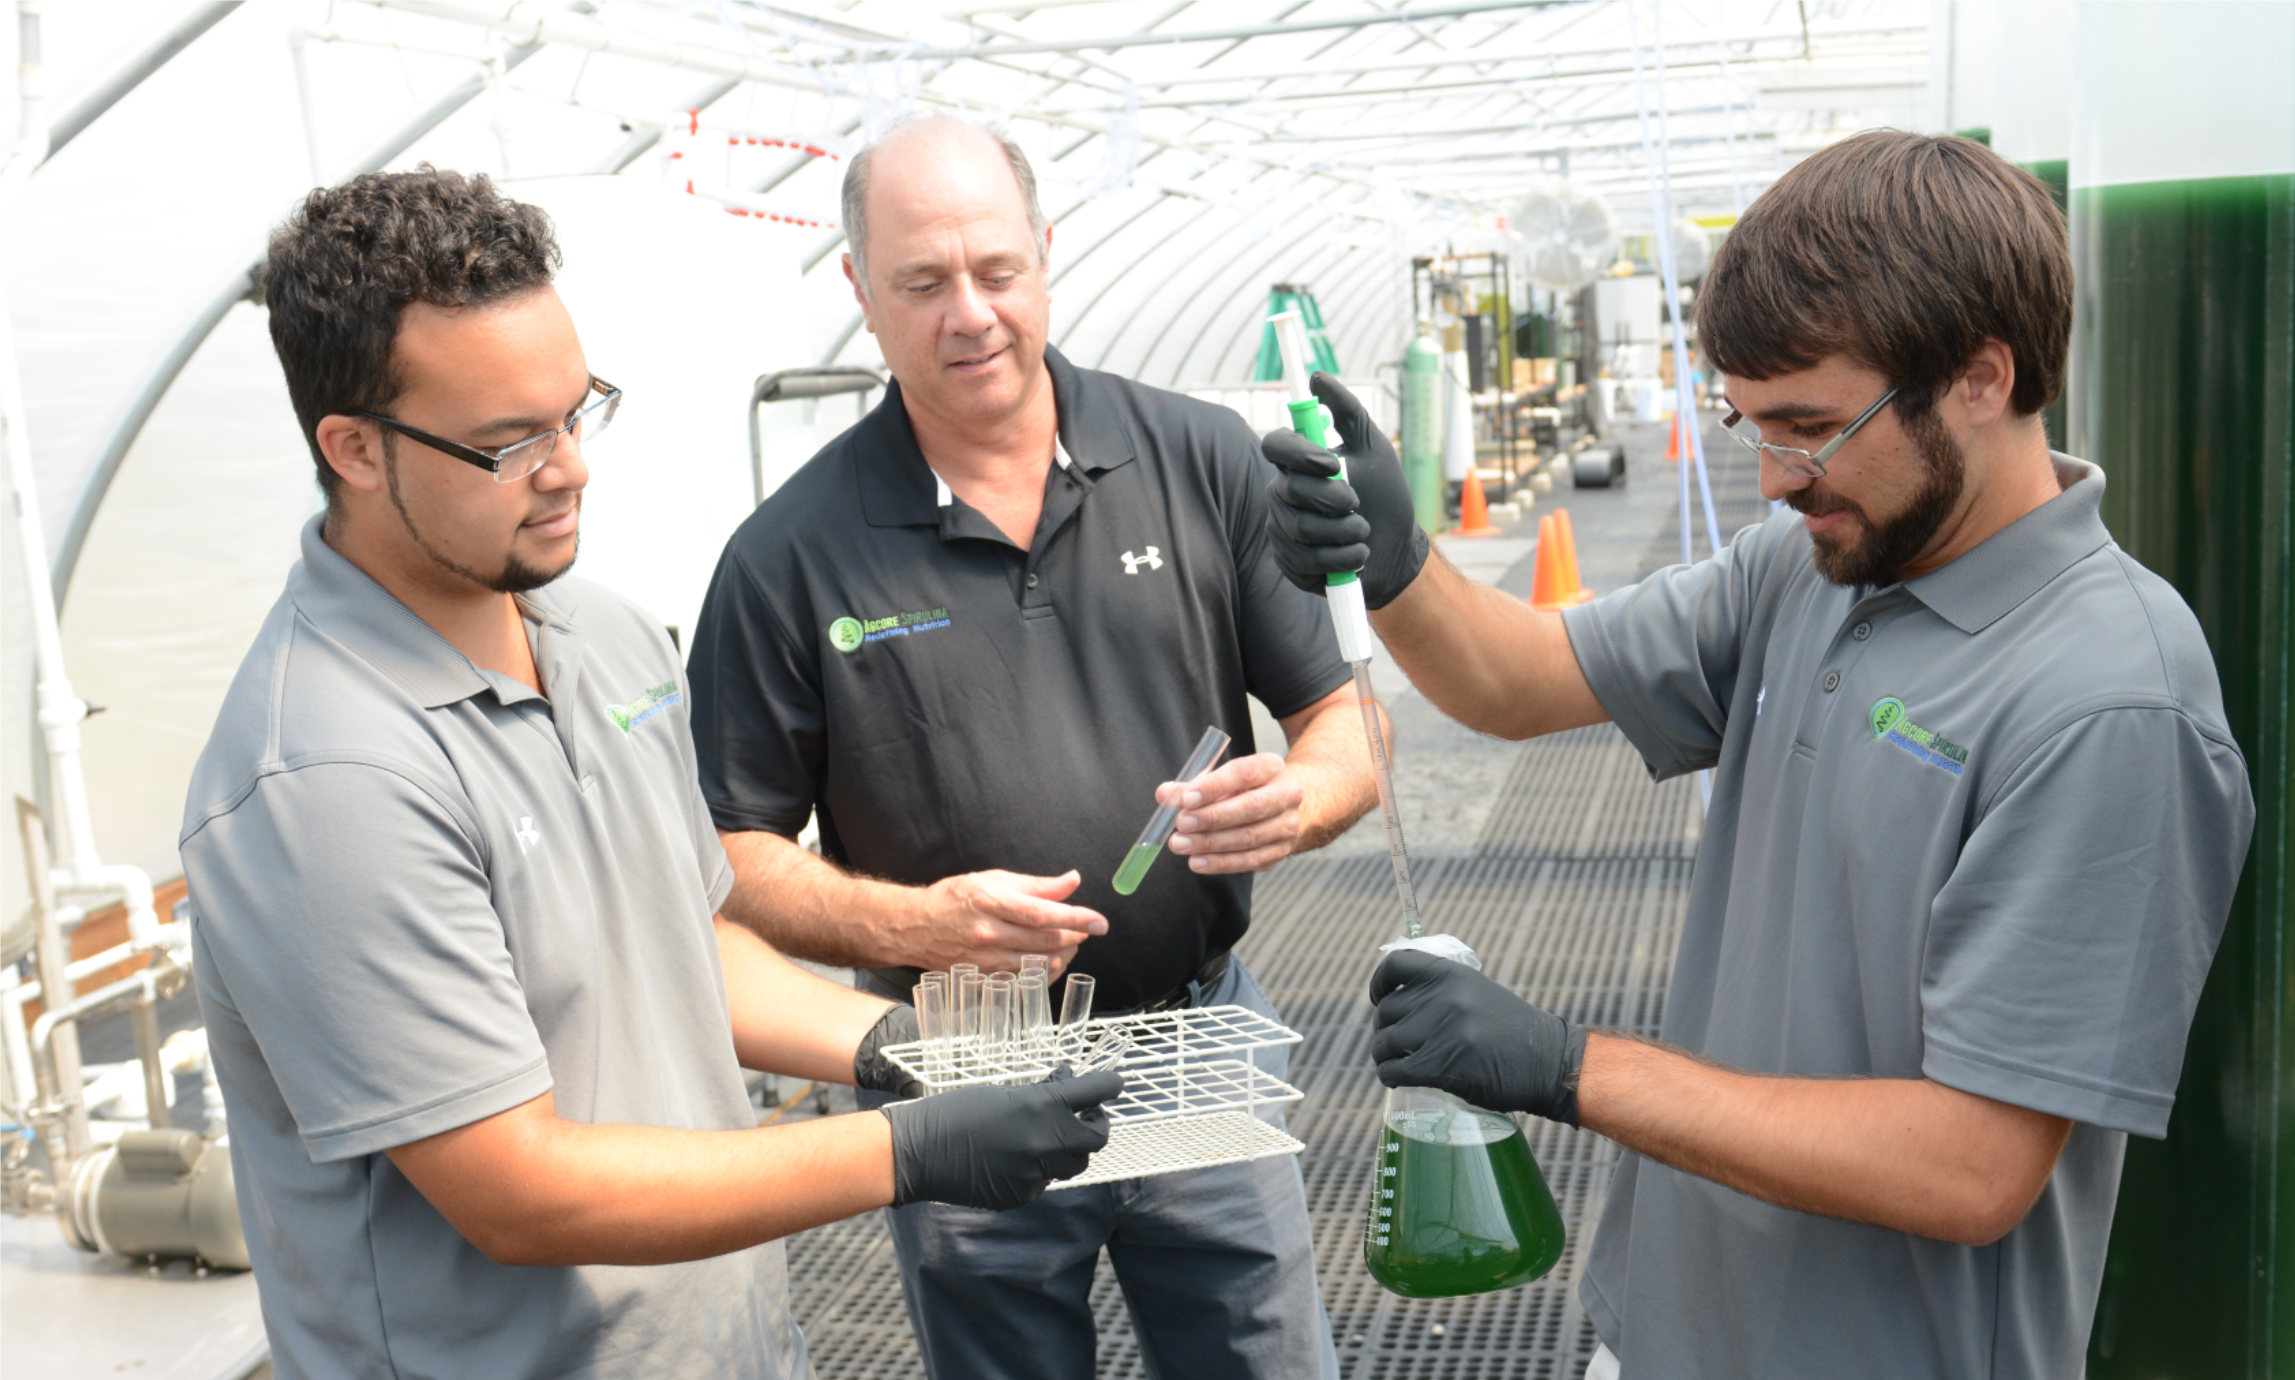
1183, 180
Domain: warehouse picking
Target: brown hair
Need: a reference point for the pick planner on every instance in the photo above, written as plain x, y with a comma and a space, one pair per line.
1903, 252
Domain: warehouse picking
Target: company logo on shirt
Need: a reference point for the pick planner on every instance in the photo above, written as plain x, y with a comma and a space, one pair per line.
526, 834
1890, 725
627, 717
850, 634
1153, 560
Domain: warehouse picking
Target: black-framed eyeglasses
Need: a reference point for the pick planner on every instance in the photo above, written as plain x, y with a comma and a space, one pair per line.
514, 462
1799, 461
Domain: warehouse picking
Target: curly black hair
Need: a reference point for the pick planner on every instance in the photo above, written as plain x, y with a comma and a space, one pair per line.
343, 268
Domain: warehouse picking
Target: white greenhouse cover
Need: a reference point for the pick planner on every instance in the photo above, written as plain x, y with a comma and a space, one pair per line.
1190, 154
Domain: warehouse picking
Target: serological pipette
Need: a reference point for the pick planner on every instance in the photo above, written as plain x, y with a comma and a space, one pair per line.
1350, 617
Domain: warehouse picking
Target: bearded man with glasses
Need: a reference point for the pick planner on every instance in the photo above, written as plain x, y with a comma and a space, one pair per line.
453, 884
1976, 815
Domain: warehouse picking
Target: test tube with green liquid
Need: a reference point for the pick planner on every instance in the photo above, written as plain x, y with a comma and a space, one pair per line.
1207, 752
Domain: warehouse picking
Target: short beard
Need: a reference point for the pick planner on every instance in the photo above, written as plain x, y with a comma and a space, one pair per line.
1890, 547
515, 577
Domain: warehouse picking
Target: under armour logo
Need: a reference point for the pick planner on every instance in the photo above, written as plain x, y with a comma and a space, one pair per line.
1133, 563
527, 834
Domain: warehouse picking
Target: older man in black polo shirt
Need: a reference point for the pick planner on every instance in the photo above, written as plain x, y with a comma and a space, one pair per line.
976, 634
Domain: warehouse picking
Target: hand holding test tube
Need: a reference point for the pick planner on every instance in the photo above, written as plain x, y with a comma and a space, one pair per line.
1208, 750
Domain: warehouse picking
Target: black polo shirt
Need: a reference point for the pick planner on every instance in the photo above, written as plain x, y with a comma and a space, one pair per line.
874, 648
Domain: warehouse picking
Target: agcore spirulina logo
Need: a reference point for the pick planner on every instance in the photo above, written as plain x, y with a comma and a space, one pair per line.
1890, 725
847, 634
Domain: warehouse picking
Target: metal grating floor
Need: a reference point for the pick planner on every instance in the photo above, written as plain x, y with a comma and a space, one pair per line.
1573, 893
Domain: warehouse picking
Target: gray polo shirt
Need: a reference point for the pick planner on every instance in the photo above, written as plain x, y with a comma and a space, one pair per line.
423, 894
1982, 826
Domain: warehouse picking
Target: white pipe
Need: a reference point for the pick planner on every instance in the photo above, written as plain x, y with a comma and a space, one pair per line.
16, 1044
59, 711
298, 40
31, 77
142, 985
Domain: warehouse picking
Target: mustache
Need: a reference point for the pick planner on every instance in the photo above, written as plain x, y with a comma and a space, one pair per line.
1811, 503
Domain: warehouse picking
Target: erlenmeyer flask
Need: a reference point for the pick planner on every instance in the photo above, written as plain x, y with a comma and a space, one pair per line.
1457, 1204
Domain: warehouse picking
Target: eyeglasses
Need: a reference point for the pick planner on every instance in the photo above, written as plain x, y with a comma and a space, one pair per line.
1794, 458
512, 463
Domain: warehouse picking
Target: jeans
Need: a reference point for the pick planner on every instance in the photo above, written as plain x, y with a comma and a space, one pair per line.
1217, 1267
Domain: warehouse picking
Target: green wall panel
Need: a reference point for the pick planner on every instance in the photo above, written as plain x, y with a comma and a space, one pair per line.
2183, 389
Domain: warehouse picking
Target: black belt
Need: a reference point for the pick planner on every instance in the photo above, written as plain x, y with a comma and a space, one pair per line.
1186, 993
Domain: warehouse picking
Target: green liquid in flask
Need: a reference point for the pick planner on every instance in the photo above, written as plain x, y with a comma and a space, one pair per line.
1459, 1206
1136, 864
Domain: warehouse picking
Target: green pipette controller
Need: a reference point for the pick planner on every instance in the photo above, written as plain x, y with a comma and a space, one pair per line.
1350, 617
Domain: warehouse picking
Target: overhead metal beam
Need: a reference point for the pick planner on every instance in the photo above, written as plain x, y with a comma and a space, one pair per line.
1109, 286
644, 137
235, 290
1409, 14
1533, 126
130, 74
1481, 56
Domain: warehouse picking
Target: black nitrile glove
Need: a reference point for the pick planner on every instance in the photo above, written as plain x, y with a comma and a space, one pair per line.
897, 1026
1318, 524
998, 1147
1443, 1025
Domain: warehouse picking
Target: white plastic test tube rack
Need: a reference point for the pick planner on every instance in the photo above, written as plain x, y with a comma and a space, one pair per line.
1192, 1096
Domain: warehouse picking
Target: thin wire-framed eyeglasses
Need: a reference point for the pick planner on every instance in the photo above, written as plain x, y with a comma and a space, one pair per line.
1799, 461
514, 462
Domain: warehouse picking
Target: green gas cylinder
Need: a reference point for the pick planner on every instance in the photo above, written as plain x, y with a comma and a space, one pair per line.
1422, 428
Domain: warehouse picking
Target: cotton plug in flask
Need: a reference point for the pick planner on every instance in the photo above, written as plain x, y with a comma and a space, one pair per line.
1457, 1203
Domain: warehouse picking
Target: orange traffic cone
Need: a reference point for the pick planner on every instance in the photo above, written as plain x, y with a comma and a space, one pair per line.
1677, 440
1573, 591
1473, 511
1546, 576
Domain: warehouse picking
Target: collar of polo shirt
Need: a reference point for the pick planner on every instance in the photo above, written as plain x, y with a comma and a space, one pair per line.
2013, 564
898, 488
942, 495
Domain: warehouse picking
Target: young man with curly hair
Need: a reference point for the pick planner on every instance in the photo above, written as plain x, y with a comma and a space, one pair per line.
453, 884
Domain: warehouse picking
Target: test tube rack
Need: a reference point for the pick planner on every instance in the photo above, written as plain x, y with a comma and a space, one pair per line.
1192, 1095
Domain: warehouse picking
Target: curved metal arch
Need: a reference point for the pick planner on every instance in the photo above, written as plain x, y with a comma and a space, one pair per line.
1321, 213
1316, 223
1219, 360
1337, 303
1153, 345
1173, 320
1384, 328
1128, 269
235, 290
1128, 222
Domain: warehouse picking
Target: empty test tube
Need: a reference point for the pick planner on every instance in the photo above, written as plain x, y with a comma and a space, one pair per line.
1035, 1009
969, 995
932, 1006
1037, 964
1208, 749
997, 1016
1076, 1004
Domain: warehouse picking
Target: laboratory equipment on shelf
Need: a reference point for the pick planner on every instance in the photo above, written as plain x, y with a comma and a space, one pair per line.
1457, 1204
1208, 750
